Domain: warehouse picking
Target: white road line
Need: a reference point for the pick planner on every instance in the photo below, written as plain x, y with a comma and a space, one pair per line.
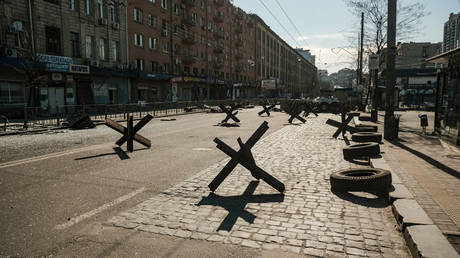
49, 156
89, 214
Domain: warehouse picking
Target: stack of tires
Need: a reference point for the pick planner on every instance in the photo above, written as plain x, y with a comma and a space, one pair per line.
362, 179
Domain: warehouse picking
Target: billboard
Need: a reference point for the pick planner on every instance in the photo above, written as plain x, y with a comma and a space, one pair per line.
269, 84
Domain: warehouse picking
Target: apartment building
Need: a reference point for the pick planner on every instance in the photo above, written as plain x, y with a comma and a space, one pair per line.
63, 53
190, 50
451, 38
280, 69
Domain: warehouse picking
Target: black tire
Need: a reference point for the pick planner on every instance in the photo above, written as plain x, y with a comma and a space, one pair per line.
364, 118
361, 179
367, 137
355, 151
323, 107
366, 129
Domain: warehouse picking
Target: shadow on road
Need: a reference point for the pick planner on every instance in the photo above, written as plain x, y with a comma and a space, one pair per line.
118, 151
235, 204
380, 200
428, 159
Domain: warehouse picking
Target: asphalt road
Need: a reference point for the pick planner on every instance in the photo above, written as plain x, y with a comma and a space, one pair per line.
57, 188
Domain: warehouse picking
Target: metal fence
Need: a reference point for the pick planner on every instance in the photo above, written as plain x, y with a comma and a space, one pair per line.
37, 117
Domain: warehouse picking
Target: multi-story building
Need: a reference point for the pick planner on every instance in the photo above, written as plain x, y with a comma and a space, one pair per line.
190, 50
451, 33
63, 53
415, 78
280, 69
307, 55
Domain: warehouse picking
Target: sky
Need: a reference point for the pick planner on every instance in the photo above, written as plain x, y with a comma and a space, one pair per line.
324, 26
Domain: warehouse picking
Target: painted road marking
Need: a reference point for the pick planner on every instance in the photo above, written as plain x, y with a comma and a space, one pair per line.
106, 206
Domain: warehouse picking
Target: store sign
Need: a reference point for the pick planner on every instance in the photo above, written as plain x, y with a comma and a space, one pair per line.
80, 69
373, 62
55, 63
269, 84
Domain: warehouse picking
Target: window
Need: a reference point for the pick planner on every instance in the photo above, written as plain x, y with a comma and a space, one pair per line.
88, 7
11, 92
100, 7
152, 21
114, 14
75, 44
140, 64
164, 4
114, 47
89, 46
53, 40
155, 66
72, 5
153, 43
152, 1
138, 40
176, 9
138, 15
102, 49
166, 68
166, 47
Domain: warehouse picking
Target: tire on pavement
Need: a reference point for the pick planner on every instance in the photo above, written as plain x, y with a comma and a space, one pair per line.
369, 129
354, 151
366, 137
361, 179
364, 118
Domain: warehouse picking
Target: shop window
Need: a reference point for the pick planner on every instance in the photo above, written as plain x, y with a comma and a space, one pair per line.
11, 93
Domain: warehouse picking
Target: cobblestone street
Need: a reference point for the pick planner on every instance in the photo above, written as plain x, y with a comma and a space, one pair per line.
307, 219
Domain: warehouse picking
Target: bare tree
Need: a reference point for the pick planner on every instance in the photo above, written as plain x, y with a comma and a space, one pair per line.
375, 12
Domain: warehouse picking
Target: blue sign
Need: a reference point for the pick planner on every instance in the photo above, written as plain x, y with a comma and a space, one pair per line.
55, 59
57, 67
82, 69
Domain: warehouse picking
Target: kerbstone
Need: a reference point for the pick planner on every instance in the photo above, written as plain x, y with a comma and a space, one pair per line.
409, 212
428, 241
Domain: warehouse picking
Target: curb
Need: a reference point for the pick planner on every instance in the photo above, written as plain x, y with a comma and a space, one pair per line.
423, 238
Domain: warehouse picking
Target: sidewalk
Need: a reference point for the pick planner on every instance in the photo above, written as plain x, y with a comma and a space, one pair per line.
429, 168
307, 219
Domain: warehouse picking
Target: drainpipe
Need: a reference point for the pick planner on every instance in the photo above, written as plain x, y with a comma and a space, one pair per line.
127, 50
31, 27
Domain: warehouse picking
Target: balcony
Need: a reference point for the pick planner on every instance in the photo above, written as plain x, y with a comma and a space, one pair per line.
219, 3
219, 49
187, 59
189, 3
219, 64
188, 20
219, 35
240, 15
219, 17
189, 39
239, 56
239, 42
239, 28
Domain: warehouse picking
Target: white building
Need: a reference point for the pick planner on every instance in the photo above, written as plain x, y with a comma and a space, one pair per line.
451, 32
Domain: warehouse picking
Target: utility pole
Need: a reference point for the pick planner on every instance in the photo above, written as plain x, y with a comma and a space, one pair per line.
360, 79
389, 127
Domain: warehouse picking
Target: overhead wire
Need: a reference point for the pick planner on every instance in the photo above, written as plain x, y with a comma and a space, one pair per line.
282, 26
293, 24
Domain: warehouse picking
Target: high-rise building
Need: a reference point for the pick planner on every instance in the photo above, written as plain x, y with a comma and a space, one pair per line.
451, 33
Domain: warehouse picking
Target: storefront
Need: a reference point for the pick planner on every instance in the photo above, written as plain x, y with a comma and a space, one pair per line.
111, 86
447, 108
151, 87
244, 90
189, 89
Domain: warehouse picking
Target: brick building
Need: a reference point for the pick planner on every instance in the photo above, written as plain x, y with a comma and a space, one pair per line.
190, 50
66, 52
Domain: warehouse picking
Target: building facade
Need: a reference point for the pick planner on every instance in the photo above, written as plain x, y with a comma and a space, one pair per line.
294, 76
307, 55
190, 50
451, 39
57, 53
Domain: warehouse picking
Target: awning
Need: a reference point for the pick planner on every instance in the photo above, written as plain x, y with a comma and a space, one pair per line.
444, 57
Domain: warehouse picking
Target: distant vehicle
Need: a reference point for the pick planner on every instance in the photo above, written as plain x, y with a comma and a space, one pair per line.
327, 104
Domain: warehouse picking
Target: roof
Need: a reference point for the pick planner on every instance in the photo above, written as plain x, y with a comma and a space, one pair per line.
444, 57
